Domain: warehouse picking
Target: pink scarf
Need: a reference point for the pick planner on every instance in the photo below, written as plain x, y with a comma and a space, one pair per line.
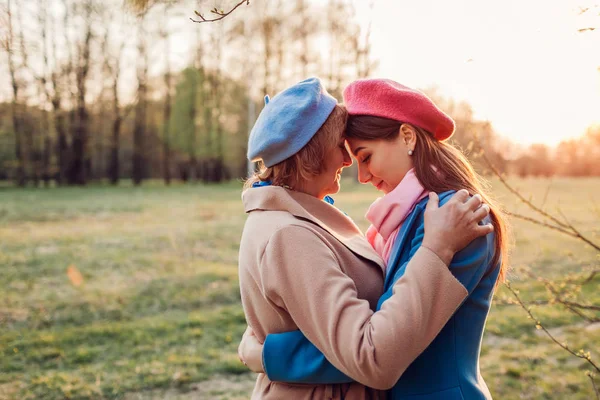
387, 213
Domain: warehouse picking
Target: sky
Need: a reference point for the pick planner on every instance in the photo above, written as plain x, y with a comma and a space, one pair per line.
521, 64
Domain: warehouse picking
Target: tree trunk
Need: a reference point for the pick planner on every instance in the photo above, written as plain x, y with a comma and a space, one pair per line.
43, 83
140, 112
19, 154
79, 167
166, 146
113, 169
62, 145
167, 117
20, 174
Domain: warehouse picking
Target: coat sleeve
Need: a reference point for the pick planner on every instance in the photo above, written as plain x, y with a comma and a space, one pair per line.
301, 274
472, 263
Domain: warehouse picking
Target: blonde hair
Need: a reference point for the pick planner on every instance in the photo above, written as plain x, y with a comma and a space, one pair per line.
309, 161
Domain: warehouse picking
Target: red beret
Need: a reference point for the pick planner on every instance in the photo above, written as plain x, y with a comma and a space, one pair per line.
388, 99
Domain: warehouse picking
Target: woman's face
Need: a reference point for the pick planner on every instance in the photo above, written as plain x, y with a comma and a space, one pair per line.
384, 163
328, 182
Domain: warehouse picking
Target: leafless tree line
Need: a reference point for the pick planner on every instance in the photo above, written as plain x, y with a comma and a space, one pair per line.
99, 92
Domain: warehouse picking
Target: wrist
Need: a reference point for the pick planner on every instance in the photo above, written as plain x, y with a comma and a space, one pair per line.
443, 252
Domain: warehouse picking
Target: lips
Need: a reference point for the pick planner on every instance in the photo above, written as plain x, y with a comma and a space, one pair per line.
379, 185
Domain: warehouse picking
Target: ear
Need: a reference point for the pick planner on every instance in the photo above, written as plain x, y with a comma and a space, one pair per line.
408, 135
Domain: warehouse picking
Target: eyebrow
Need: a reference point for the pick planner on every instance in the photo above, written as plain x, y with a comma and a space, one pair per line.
358, 149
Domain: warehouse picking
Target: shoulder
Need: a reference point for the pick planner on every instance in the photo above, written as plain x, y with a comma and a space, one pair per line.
444, 198
419, 209
298, 239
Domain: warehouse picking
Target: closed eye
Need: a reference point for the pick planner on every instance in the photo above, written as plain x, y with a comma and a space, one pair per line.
366, 159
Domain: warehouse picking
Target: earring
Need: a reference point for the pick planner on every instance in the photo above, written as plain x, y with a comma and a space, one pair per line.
410, 152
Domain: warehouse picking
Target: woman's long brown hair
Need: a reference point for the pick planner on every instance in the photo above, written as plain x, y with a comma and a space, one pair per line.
456, 171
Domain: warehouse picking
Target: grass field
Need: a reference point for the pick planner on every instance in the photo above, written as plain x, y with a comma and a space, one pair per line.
132, 293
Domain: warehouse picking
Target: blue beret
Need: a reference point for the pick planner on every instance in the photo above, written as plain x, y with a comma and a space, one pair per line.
288, 121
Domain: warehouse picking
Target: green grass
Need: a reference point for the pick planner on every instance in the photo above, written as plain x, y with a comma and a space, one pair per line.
158, 314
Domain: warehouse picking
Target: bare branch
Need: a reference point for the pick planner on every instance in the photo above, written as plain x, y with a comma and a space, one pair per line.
592, 275
564, 227
591, 376
220, 13
518, 194
557, 297
577, 233
538, 324
541, 223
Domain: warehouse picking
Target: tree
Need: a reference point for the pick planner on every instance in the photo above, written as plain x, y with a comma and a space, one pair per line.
10, 46
112, 69
78, 168
140, 108
164, 35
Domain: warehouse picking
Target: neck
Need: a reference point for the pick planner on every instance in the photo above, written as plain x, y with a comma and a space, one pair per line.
310, 188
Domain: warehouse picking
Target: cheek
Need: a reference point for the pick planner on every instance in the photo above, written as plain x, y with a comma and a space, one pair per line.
377, 168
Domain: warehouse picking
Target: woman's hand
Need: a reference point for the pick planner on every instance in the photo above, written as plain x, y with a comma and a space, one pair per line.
450, 228
250, 351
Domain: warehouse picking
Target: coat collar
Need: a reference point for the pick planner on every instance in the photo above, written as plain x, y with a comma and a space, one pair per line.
402, 238
394, 258
318, 212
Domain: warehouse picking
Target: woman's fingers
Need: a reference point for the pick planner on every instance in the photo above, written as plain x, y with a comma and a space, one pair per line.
474, 202
434, 200
481, 213
462, 196
483, 230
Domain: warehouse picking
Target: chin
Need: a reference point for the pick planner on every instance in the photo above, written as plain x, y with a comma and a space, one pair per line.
334, 189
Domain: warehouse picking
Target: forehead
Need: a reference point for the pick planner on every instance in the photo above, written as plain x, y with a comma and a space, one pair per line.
356, 144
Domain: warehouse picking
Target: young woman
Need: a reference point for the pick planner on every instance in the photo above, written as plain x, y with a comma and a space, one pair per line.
397, 135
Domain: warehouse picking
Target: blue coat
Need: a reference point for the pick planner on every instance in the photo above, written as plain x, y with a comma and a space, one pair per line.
449, 368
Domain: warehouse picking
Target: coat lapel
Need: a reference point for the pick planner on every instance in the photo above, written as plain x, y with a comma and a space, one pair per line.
318, 212
401, 239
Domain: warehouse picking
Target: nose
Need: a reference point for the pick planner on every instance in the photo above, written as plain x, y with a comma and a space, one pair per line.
363, 175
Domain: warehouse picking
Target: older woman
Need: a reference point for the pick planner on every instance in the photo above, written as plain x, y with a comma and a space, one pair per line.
305, 265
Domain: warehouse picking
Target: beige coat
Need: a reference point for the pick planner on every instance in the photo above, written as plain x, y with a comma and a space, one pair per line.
305, 265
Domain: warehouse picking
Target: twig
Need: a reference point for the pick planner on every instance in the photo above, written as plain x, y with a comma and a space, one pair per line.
569, 305
582, 306
221, 14
538, 325
592, 275
566, 226
578, 234
546, 195
542, 223
519, 195
510, 302
591, 376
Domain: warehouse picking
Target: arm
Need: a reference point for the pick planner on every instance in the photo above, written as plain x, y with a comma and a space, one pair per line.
290, 357
322, 300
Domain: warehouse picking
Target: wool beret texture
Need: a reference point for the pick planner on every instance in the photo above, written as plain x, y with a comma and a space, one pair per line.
388, 99
288, 121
